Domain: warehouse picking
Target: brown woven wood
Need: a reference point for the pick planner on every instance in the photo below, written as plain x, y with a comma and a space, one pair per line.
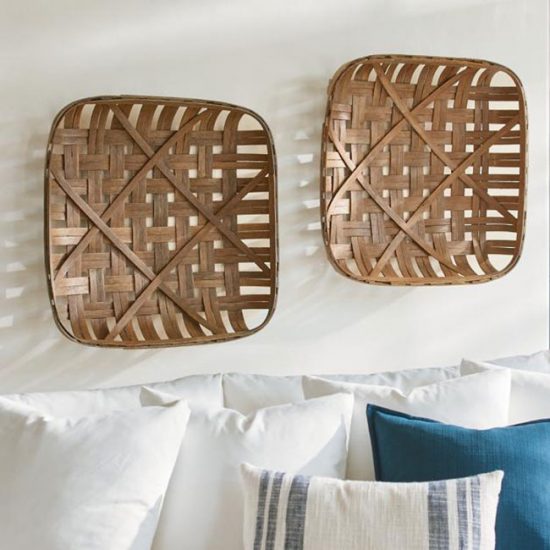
160, 221
424, 170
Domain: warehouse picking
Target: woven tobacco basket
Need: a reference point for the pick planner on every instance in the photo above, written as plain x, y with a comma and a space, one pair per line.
423, 170
160, 221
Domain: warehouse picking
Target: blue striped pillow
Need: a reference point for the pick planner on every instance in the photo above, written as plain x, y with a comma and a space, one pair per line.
293, 512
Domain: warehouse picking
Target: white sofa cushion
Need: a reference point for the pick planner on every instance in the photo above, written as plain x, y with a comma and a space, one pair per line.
475, 401
247, 393
201, 390
92, 483
530, 393
284, 511
204, 503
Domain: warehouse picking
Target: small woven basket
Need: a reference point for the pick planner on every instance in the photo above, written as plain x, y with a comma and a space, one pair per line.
423, 170
160, 222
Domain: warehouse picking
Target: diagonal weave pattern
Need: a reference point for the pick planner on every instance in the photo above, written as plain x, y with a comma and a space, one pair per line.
161, 221
424, 170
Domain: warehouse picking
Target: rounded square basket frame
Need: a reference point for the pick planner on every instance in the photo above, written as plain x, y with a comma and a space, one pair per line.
391, 167
104, 290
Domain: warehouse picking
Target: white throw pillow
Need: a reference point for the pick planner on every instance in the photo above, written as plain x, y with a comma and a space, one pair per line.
247, 393
404, 380
475, 401
530, 395
92, 483
284, 511
202, 390
204, 503
539, 361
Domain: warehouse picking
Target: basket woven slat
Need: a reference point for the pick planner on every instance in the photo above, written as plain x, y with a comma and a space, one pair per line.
161, 221
424, 170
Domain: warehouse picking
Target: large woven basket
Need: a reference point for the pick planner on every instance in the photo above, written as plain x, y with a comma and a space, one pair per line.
423, 170
160, 221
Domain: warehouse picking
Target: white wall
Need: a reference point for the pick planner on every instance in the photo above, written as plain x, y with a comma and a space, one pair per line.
275, 57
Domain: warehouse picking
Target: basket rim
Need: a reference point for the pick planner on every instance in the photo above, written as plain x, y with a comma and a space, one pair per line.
429, 59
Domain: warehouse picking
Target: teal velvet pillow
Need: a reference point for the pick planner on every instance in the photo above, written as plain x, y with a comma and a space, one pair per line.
408, 448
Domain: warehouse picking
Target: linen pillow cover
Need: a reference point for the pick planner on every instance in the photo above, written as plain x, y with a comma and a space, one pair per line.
204, 503
293, 512
530, 392
408, 448
93, 483
475, 401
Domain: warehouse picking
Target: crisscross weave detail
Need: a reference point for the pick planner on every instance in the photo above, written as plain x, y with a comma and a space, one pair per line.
423, 170
161, 221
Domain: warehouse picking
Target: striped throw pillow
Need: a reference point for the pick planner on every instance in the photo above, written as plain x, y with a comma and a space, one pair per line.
294, 512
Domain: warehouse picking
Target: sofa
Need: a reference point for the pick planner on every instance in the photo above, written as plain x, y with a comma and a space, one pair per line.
292, 423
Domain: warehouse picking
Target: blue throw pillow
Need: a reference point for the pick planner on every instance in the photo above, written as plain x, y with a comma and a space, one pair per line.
408, 448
